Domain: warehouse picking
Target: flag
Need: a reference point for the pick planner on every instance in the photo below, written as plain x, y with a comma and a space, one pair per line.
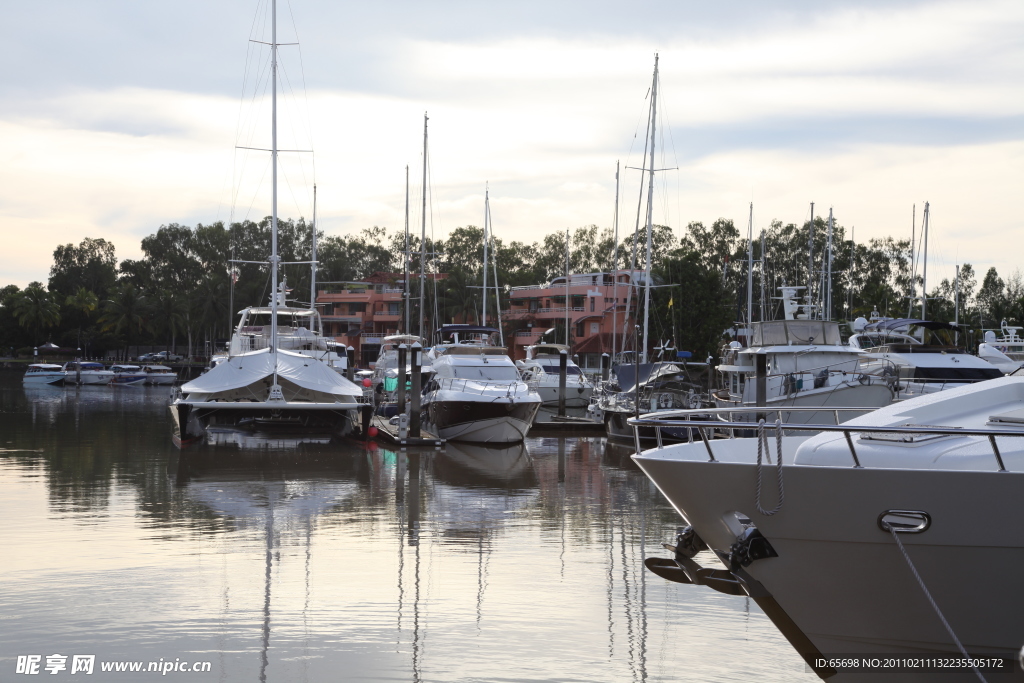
670, 302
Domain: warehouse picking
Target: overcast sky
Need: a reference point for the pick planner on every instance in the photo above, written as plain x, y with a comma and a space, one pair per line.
117, 117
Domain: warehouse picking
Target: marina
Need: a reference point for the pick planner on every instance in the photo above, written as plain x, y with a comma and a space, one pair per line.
285, 558
314, 437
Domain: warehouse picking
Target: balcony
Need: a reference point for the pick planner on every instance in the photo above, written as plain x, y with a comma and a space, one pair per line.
386, 316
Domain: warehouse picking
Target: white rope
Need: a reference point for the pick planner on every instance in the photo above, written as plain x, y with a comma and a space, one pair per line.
762, 449
927, 594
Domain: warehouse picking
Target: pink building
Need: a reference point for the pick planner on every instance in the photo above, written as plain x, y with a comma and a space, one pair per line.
361, 314
592, 299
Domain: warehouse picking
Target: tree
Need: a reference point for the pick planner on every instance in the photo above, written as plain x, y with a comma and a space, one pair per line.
36, 310
82, 303
126, 312
92, 264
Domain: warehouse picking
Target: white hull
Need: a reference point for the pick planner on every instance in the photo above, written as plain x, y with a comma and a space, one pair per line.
43, 378
575, 397
161, 379
843, 580
493, 430
90, 377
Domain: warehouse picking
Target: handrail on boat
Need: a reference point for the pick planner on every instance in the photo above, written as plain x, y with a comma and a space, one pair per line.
682, 418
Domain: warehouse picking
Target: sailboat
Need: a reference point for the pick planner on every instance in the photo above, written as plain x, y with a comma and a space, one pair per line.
268, 387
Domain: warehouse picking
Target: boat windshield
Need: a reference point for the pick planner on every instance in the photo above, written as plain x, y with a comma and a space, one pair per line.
493, 373
552, 369
800, 332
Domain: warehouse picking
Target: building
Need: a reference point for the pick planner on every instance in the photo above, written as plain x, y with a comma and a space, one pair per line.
594, 301
360, 314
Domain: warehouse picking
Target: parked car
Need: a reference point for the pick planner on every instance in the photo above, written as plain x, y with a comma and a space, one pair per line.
160, 356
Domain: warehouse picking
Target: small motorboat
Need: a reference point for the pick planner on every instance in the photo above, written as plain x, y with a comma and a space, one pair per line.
159, 374
86, 372
43, 373
127, 375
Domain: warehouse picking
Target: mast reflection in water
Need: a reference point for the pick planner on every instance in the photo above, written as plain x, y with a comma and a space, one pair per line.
288, 558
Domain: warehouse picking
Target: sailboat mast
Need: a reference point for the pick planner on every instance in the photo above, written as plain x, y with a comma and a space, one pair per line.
810, 264
405, 281
650, 208
828, 271
913, 260
423, 228
497, 295
312, 282
487, 199
924, 271
567, 287
750, 270
615, 261
274, 258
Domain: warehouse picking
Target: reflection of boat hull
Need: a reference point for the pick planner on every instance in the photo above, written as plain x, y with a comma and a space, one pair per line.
482, 422
191, 421
839, 577
473, 464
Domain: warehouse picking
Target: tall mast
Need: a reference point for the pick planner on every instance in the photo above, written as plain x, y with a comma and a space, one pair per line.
497, 296
312, 283
567, 286
913, 260
750, 270
275, 390
487, 202
423, 231
810, 264
924, 271
650, 208
827, 315
405, 282
615, 261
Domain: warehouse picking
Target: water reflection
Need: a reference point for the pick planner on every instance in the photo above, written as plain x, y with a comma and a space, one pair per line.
284, 558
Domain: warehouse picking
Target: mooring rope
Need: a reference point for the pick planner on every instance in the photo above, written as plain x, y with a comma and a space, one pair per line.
762, 449
927, 594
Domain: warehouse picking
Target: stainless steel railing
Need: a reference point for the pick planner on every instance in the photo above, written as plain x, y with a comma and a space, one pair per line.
683, 418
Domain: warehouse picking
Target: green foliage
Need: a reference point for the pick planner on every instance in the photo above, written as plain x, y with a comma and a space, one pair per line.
92, 265
36, 310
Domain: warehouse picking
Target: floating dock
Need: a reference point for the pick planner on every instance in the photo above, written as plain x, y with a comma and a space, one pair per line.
389, 432
568, 424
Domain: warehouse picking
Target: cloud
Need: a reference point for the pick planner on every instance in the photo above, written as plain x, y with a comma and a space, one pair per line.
869, 108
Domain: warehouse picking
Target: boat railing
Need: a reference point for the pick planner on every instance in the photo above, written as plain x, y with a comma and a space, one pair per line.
698, 420
794, 381
482, 386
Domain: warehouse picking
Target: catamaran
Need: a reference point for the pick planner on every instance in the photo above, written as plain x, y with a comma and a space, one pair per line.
270, 386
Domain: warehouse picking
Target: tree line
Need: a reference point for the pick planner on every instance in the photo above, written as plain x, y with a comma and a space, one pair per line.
181, 291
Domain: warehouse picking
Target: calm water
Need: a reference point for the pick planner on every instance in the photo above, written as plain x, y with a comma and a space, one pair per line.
278, 561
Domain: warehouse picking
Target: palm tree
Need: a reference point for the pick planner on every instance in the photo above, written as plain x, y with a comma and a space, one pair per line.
172, 314
36, 309
460, 298
126, 312
85, 302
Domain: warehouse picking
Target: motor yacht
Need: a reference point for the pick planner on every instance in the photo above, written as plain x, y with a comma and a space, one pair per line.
384, 378
1005, 352
886, 534
540, 370
86, 372
807, 365
658, 387
918, 356
159, 374
476, 393
299, 330
127, 375
43, 373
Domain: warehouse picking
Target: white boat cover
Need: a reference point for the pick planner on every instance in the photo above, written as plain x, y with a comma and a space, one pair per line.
241, 371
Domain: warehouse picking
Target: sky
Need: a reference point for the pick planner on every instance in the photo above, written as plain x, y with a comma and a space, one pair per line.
117, 117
